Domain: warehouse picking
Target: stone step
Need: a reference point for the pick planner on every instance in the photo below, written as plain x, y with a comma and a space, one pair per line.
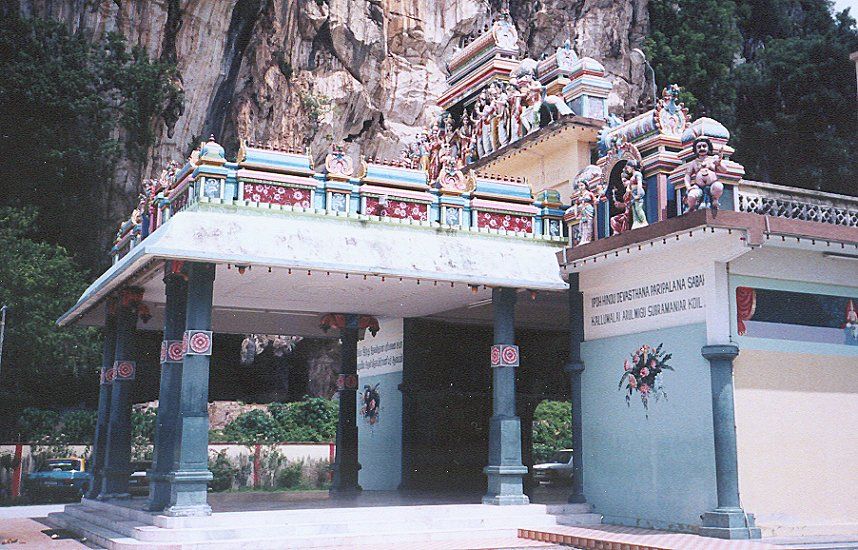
120, 527
103, 519
403, 539
471, 539
325, 522
579, 519
105, 538
262, 518
565, 509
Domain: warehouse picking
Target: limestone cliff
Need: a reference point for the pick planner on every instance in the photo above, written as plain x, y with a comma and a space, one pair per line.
306, 72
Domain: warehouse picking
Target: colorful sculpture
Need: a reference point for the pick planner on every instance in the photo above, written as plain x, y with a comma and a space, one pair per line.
587, 213
701, 177
622, 221
633, 181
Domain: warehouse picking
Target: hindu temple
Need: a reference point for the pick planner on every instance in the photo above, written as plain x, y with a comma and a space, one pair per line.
528, 245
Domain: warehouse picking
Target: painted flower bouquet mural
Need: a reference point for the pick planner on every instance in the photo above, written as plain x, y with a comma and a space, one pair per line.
641, 374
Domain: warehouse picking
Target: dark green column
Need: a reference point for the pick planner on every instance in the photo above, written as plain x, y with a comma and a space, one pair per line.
728, 520
188, 482
346, 465
99, 444
505, 470
117, 463
172, 355
574, 368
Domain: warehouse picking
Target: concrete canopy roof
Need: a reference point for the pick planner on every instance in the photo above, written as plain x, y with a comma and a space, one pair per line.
720, 237
354, 267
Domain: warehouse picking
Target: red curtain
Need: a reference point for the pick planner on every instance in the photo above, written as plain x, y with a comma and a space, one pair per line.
746, 303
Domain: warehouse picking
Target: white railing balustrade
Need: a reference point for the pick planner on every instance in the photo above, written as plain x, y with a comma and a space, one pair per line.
797, 204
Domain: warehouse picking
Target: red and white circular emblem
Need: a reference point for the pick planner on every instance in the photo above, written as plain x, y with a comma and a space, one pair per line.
110, 374
124, 369
163, 351
199, 343
496, 355
510, 355
175, 351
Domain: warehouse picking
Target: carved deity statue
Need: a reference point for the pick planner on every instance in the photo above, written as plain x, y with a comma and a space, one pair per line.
501, 115
586, 212
622, 221
633, 181
514, 107
532, 101
701, 177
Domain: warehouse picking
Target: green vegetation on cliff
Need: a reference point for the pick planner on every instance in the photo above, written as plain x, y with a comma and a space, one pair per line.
776, 73
64, 100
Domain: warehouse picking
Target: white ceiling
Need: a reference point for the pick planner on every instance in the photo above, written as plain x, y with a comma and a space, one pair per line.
278, 302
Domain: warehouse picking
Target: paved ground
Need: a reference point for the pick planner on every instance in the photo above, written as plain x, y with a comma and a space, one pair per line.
27, 533
37, 511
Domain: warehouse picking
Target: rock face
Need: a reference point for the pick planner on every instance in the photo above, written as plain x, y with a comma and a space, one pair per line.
307, 72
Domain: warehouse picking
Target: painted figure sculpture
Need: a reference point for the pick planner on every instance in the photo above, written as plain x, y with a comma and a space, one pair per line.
586, 213
633, 181
622, 221
701, 177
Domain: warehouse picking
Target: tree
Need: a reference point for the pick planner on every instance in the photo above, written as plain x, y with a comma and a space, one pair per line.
796, 109
43, 365
552, 429
693, 43
62, 100
776, 73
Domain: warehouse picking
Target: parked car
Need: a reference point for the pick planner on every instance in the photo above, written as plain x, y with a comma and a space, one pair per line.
138, 483
558, 470
58, 478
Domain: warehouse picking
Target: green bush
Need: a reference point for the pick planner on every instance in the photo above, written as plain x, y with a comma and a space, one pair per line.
223, 472
37, 425
552, 429
253, 427
311, 420
318, 474
289, 477
79, 426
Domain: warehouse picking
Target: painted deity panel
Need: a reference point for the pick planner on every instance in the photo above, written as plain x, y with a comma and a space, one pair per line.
798, 316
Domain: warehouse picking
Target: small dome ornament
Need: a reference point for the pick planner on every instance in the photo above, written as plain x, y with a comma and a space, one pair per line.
212, 153
706, 127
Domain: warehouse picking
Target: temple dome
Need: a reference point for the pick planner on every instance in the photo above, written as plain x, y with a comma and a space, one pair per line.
705, 127
591, 64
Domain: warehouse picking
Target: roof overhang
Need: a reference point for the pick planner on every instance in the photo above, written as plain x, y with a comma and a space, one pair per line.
355, 262
542, 143
720, 237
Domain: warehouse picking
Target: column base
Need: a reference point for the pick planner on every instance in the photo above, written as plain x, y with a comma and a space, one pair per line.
159, 491
188, 511
577, 498
112, 496
188, 493
729, 523
505, 485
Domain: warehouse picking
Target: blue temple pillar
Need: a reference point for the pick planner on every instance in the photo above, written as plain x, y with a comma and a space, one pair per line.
189, 477
505, 470
117, 461
575, 367
99, 444
346, 465
728, 520
172, 355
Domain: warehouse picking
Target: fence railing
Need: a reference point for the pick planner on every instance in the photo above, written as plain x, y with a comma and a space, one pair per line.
797, 204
